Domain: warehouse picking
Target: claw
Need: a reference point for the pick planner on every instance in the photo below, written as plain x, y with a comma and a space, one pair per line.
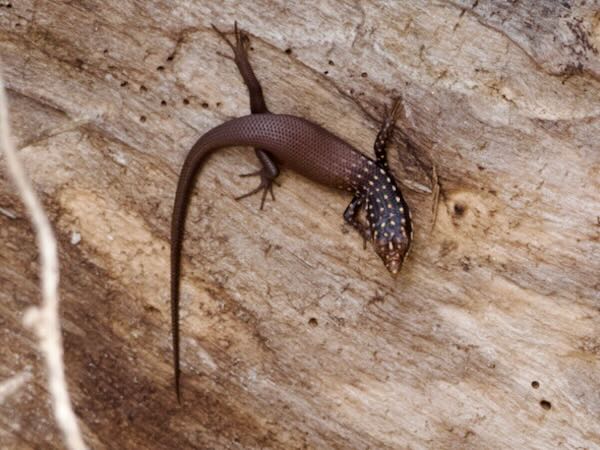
266, 185
241, 41
223, 36
223, 55
257, 173
366, 235
394, 114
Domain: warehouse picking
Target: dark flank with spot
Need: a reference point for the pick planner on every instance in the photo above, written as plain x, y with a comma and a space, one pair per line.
388, 225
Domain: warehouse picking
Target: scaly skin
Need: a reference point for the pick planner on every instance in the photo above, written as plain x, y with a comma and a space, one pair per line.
312, 151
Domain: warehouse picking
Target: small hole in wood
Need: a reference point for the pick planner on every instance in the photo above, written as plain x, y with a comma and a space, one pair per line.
545, 404
186, 101
160, 68
288, 51
143, 88
105, 51
364, 74
204, 105
313, 322
331, 63
459, 209
326, 72
142, 119
218, 104
170, 57
535, 384
163, 103
124, 83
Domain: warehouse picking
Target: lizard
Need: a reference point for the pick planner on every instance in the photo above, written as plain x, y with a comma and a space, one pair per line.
309, 150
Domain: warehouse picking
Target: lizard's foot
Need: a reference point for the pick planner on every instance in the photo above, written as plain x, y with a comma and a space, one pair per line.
391, 116
365, 232
240, 47
266, 185
352, 218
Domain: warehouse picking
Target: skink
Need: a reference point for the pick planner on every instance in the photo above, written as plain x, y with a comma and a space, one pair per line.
310, 150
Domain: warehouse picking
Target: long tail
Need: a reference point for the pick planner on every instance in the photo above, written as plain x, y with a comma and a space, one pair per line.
194, 160
279, 134
252, 130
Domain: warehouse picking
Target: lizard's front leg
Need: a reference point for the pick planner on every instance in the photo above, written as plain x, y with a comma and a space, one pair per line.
351, 218
385, 132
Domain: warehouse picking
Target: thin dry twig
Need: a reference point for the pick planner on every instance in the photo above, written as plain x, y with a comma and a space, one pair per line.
435, 201
45, 319
12, 385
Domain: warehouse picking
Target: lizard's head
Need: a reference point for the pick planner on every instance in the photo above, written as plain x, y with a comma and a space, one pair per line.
392, 251
390, 225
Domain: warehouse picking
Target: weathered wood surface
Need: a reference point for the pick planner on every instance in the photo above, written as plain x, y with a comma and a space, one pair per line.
294, 336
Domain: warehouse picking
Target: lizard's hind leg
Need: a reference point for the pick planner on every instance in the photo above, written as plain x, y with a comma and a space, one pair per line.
269, 170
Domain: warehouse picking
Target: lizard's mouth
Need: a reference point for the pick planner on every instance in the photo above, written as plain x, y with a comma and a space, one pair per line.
392, 253
394, 266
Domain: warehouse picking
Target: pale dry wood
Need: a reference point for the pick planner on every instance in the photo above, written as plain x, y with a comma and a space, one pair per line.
45, 319
294, 337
